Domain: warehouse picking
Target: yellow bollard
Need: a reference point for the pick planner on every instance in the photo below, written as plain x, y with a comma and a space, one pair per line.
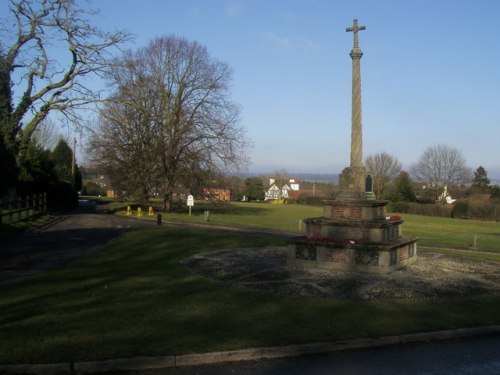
150, 211
129, 211
139, 212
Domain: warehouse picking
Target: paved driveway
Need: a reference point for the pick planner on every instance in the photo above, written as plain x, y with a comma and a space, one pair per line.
69, 237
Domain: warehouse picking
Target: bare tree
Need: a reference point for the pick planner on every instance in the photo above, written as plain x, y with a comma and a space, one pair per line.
36, 77
280, 177
171, 120
441, 165
383, 168
46, 135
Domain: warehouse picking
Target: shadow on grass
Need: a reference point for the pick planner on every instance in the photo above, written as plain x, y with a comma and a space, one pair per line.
8, 231
134, 298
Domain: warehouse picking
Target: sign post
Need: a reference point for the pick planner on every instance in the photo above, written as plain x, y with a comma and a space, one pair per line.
190, 203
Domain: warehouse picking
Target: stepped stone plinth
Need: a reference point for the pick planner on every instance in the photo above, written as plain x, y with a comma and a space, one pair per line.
353, 235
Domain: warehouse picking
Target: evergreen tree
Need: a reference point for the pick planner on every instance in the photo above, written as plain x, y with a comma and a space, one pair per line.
481, 182
403, 191
254, 189
62, 158
495, 192
38, 169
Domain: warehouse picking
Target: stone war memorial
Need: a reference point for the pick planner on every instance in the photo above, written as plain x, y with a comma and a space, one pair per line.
354, 233
354, 250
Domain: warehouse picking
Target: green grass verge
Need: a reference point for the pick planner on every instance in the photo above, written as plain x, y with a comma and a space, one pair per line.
435, 231
447, 232
283, 218
134, 298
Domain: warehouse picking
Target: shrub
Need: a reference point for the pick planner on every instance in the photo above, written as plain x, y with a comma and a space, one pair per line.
461, 210
92, 189
488, 210
401, 207
429, 209
495, 192
61, 196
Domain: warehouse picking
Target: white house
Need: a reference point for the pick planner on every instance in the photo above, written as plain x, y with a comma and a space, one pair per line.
275, 192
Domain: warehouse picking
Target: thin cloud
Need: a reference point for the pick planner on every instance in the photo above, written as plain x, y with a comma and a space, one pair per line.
195, 11
233, 9
286, 42
276, 40
307, 43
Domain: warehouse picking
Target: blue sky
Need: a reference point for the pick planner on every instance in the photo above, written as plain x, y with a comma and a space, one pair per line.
430, 73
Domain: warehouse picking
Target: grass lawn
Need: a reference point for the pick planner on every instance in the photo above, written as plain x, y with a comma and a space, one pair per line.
434, 231
134, 298
447, 232
283, 218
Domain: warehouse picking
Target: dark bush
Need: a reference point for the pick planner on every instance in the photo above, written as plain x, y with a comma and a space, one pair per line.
92, 189
429, 209
495, 192
401, 207
308, 199
61, 196
315, 201
461, 210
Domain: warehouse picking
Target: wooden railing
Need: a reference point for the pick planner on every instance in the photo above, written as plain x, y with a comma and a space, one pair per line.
17, 209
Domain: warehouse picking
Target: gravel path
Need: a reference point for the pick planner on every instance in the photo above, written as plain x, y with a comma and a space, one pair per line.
432, 277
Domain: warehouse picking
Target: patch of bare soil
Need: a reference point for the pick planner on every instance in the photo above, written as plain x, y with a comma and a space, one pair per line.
432, 277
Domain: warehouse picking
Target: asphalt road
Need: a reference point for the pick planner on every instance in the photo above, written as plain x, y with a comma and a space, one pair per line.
66, 239
472, 355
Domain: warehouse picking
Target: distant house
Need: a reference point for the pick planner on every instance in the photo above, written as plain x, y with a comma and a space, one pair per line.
275, 192
223, 195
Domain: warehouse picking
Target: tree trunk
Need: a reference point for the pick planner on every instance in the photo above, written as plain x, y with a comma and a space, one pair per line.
167, 202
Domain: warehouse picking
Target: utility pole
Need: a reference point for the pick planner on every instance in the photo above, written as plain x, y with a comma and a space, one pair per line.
73, 161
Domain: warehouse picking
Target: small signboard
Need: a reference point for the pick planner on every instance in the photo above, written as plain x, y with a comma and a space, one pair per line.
190, 203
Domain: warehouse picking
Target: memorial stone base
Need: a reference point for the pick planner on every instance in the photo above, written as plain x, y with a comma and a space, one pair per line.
353, 235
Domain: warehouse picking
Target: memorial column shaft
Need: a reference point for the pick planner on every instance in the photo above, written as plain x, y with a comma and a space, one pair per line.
356, 117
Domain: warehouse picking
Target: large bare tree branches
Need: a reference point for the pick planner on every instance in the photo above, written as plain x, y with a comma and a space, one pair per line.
441, 165
384, 168
46, 52
171, 120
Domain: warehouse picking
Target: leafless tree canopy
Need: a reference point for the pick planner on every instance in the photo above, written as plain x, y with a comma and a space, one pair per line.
47, 48
170, 121
384, 168
441, 165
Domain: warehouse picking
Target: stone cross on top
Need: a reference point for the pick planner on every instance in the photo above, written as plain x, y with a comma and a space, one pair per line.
355, 28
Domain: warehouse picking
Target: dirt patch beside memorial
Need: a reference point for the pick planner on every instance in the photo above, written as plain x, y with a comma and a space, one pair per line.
434, 276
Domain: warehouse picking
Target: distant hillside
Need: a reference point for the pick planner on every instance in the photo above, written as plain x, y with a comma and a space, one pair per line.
317, 177
312, 177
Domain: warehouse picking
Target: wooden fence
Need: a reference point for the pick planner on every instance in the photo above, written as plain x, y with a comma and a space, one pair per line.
17, 209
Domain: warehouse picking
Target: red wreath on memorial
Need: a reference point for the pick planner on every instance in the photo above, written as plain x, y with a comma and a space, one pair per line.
393, 218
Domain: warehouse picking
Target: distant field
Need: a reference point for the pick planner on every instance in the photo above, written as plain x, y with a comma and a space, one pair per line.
433, 231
